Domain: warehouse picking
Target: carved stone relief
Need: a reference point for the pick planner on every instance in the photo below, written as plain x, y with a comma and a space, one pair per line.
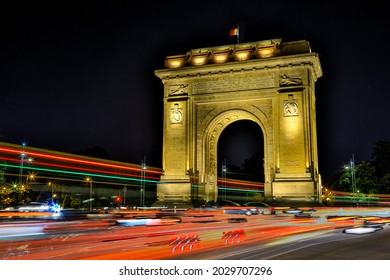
234, 84
214, 138
203, 113
290, 108
178, 89
289, 81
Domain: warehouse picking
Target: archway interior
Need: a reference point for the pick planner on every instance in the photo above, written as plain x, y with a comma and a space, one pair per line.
240, 157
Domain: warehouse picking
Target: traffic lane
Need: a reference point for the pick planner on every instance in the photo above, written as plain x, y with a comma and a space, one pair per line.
250, 248
123, 242
342, 246
211, 235
189, 236
334, 245
185, 237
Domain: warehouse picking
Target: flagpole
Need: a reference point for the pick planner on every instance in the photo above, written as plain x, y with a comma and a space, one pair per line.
238, 34
235, 32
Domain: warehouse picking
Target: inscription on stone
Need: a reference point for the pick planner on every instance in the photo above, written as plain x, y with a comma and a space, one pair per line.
292, 163
234, 84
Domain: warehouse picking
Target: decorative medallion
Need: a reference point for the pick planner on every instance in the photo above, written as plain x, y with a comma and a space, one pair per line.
176, 115
290, 108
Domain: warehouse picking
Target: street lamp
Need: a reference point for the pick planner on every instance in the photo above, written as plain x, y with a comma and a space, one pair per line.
50, 184
124, 195
31, 177
357, 198
353, 173
224, 170
89, 180
22, 157
353, 177
143, 177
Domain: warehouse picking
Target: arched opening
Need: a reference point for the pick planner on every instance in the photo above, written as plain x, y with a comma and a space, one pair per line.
240, 158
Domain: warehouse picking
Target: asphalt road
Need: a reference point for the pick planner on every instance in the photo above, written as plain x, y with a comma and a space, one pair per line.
333, 245
202, 236
338, 246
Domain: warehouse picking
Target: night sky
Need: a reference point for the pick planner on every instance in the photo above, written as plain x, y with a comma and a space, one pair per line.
78, 74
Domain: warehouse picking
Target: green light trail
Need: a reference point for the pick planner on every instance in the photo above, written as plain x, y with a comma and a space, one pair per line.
93, 175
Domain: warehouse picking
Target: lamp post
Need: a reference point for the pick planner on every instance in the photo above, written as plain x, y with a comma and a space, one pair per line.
22, 157
31, 176
357, 198
124, 195
89, 180
353, 178
224, 170
143, 177
50, 184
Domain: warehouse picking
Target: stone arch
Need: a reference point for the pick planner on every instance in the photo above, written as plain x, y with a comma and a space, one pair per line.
201, 100
210, 142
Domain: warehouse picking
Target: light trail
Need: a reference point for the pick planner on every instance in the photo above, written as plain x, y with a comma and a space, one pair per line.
84, 169
74, 170
75, 180
242, 182
261, 237
75, 160
84, 174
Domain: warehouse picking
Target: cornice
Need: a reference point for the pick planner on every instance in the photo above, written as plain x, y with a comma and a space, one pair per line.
309, 60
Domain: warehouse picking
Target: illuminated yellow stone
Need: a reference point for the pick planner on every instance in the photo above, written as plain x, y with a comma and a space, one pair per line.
243, 52
198, 57
265, 49
274, 89
176, 61
221, 55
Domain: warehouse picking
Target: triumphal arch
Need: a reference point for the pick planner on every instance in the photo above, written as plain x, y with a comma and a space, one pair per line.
271, 83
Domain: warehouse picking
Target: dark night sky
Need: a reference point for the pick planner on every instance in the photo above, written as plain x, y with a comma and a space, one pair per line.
81, 74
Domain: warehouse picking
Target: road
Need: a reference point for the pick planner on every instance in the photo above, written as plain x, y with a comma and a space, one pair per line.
200, 235
329, 245
336, 246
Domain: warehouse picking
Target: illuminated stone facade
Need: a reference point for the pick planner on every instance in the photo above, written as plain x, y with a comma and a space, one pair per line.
270, 83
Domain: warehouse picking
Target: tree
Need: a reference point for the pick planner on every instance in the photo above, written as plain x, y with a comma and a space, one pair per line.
2, 171
24, 194
7, 198
365, 179
384, 184
15, 195
380, 160
75, 201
